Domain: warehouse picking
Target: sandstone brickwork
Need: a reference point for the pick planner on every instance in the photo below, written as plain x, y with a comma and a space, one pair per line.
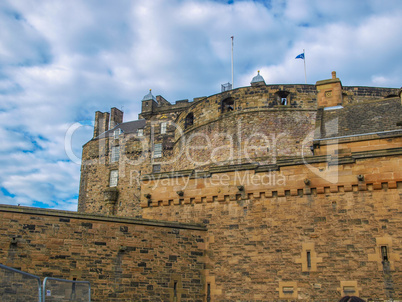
124, 259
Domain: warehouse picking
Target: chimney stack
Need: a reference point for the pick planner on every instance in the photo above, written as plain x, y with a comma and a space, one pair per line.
116, 117
101, 123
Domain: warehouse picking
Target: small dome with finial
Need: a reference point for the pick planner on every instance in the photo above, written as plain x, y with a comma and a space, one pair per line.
257, 80
149, 96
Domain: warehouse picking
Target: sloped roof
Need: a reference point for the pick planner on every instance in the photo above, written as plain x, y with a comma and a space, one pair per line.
128, 127
362, 118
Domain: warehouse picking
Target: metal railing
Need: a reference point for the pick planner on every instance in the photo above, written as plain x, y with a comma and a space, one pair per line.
55, 289
18, 286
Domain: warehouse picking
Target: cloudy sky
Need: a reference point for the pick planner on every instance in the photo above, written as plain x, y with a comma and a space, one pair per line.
60, 61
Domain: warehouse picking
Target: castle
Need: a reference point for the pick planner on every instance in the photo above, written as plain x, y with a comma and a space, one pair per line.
259, 193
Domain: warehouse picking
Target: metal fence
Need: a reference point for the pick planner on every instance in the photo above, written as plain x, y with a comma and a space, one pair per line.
60, 290
18, 286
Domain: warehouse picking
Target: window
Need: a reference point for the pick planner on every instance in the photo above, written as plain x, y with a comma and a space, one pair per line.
189, 121
115, 154
114, 177
227, 105
282, 98
163, 128
157, 150
308, 259
349, 290
156, 168
140, 132
117, 133
384, 253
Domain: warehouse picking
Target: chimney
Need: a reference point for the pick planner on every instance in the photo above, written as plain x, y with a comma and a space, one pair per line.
329, 92
116, 117
101, 123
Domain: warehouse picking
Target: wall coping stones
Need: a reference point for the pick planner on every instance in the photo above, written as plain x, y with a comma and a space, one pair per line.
102, 218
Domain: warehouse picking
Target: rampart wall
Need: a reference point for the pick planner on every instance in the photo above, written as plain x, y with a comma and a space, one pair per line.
311, 231
124, 259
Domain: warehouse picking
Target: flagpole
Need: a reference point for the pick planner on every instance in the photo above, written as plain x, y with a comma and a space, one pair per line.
304, 59
232, 63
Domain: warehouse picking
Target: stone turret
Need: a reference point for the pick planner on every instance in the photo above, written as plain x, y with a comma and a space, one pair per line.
149, 103
329, 92
258, 80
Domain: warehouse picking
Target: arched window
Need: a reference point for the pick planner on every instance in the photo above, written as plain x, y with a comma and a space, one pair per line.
189, 121
227, 105
282, 98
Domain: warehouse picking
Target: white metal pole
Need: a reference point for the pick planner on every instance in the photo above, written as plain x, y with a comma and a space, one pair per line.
232, 64
304, 59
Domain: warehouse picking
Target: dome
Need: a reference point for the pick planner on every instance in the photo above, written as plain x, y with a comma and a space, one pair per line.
149, 96
258, 79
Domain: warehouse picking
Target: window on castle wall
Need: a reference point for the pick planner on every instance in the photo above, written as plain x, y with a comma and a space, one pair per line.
156, 168
227, 105
114, 178
282, 98
189, 120
349, 290
115, 154
384, 253
157, 150
163, 128
117, 133
308, 259
140, 132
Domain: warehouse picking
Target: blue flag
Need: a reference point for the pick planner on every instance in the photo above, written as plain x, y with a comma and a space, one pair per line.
300, 56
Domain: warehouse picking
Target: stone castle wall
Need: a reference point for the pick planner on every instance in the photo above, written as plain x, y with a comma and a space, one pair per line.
261, 229
124, 259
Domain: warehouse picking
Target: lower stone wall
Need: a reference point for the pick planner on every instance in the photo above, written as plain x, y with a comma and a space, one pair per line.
315, 247
124, 259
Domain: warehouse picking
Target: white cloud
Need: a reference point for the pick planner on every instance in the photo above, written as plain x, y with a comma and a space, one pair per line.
60, 61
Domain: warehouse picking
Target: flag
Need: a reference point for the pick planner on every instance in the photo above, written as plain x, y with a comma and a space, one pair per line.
300, 56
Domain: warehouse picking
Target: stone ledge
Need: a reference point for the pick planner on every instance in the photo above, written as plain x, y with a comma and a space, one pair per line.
76, 215
307, 190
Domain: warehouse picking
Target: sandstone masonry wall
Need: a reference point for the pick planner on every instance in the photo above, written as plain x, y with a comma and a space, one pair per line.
124, 259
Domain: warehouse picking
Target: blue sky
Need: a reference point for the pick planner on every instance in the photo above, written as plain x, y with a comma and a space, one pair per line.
60, 61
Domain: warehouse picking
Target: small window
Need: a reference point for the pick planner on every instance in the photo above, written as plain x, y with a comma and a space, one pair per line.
157, 150
308, 259
114, 177
175, 291
288, 289
189, 121
349, 290
140, 132
115, 154
384, 253
227, 105
282, 98
163, 128
156, 168
117, 133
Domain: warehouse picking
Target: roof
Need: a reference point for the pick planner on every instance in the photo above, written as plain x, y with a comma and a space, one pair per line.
362, 118
257, 79
128, 127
